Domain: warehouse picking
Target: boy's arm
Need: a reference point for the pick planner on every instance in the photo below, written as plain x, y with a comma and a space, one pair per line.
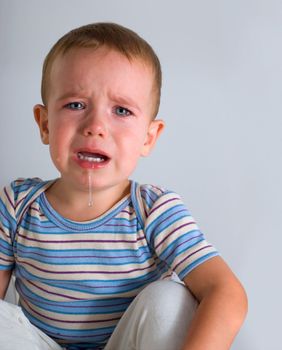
5, 276
222, 306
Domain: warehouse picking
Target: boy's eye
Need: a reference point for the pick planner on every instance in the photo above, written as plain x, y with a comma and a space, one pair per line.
75, 105
123, 112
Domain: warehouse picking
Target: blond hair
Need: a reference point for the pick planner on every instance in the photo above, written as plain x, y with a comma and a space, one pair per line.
111, 35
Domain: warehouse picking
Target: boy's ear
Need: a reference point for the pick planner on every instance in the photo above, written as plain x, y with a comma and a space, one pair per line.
41, 117
155, 129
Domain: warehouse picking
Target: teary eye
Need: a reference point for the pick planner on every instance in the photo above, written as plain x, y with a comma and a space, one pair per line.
122, 112
75, 105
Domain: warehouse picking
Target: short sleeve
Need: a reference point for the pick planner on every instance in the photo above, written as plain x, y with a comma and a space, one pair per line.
7, 227
174, 235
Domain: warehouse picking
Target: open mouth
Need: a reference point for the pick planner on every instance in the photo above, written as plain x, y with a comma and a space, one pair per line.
92, 157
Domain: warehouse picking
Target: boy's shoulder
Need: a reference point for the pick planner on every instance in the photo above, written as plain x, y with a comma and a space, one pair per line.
22, 186
20, 191
25, 183
151, 200
153, 189
153, 193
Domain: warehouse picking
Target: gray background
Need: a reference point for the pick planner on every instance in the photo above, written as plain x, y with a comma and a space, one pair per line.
221, 101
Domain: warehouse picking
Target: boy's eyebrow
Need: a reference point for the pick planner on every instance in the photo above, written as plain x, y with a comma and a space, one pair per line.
125, 100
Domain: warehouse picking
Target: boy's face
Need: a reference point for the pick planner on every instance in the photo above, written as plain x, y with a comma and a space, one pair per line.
98, 116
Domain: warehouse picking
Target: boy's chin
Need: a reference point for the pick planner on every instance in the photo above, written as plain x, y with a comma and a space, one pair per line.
98, 182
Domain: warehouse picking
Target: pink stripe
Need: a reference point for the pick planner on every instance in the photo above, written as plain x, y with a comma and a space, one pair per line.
7, 260
9, 199
20, 201
127, 212
84, 241
35, 209
120, 225
5, 232
169, 200
48, 292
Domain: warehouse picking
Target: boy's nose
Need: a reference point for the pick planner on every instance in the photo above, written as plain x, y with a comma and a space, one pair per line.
94, 126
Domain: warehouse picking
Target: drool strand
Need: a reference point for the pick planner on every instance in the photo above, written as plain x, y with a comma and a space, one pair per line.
90, 190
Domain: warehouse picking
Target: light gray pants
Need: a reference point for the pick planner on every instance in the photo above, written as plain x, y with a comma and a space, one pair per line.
158, 318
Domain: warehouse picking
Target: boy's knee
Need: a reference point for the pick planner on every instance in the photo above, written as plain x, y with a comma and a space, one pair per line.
165, 299
167, 309
158, 318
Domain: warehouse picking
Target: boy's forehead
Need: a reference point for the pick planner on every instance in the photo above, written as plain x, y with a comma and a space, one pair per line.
81, 64
77, 56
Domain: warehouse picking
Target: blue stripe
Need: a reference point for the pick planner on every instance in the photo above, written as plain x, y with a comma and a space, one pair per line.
147, 277
98, 304
6, 267
6, 219
196, 263
30, 219
54, 231
6, 248
54, 252
184, 247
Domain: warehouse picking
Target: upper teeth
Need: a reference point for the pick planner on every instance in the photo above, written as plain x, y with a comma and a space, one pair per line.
93, 158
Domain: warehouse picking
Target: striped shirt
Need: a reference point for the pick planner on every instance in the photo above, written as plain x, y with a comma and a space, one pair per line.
76, 279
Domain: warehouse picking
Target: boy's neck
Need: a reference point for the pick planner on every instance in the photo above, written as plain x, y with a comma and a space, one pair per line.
74, 204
